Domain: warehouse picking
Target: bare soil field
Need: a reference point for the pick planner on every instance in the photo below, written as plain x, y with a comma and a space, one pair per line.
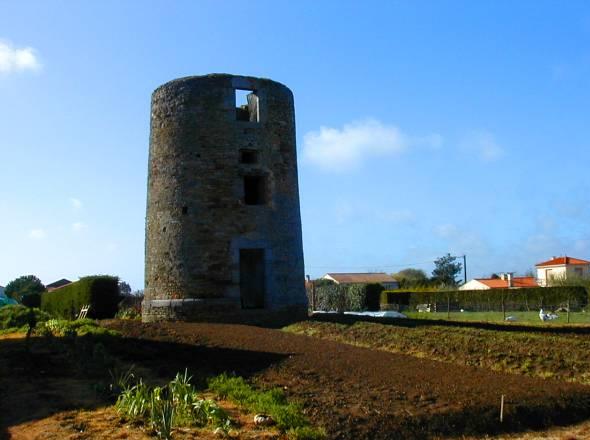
353, 392
358, 393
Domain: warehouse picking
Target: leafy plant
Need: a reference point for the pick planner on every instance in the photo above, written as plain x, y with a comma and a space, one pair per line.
175, 404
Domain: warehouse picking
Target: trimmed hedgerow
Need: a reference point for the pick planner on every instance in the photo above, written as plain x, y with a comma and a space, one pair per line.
100, 291
534, 298
348, 297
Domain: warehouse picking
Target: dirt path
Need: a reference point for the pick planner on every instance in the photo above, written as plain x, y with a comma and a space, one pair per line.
358, 393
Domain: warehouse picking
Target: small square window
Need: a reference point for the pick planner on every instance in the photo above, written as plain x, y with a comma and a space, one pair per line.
248, 156
254, 190
246, 105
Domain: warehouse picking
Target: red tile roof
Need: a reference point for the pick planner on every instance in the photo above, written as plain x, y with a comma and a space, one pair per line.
347, 278
497, 283
562, 260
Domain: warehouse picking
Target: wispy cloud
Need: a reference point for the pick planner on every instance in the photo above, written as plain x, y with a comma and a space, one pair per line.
76, 203
484, 145
37, 234
343, 149
79, 226
14, 59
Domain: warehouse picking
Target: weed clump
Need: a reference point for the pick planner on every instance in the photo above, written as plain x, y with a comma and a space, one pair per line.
288, 416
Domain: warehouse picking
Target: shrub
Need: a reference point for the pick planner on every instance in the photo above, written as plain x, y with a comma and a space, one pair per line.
101, 292
348, 297
17, 317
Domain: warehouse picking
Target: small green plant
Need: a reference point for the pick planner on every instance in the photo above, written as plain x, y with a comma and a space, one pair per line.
121, 380
162, 412
288, 416
306, 433
128, 313
135, 402
176, 404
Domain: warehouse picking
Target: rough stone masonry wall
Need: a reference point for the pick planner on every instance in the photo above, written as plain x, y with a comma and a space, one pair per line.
197, 220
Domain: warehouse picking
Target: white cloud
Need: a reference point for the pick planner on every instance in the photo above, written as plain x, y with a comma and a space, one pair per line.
79, 226
37, 234
484, 145
76, 203
342, 149
13, 59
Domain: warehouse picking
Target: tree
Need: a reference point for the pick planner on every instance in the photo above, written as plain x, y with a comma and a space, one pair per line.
24, 286
124, 288
409, 278
446, 270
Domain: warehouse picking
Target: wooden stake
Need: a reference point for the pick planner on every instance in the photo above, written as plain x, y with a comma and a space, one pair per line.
502, 409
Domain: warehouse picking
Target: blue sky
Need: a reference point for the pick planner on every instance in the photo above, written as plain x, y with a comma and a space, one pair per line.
423, 127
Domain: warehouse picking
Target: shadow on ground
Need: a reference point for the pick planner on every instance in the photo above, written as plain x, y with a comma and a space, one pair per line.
55, 375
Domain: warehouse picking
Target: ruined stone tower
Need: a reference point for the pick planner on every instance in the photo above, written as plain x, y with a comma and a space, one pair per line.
223, 228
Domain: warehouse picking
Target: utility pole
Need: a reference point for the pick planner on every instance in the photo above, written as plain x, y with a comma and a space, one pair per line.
465, 267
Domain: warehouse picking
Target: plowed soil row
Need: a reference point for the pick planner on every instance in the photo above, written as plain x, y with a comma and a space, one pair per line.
358, 393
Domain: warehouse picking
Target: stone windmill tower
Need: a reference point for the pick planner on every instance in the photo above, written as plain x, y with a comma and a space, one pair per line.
223, 227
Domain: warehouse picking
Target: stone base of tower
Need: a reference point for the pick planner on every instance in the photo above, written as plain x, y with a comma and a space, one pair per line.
221, 310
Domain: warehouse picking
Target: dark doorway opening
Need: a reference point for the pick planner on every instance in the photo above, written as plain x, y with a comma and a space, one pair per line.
252, 278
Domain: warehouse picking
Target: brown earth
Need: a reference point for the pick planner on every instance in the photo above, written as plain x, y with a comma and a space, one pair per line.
358, 393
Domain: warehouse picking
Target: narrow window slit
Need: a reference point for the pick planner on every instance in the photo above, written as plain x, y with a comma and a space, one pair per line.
254, 190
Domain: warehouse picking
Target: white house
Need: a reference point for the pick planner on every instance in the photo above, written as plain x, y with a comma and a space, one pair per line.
561, 267
505, 281
387, 281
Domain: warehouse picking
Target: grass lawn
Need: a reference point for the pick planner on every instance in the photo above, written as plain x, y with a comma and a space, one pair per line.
521, 317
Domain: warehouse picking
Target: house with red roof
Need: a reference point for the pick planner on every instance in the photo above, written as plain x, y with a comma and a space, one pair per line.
504, 281
561, 268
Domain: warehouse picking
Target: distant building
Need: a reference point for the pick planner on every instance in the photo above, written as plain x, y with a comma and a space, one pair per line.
57, 284
505, 281
2, 291
387, 281
561, 268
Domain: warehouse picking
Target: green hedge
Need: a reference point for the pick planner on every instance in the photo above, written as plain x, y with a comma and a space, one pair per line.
100, 291
533, 298
348, 297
